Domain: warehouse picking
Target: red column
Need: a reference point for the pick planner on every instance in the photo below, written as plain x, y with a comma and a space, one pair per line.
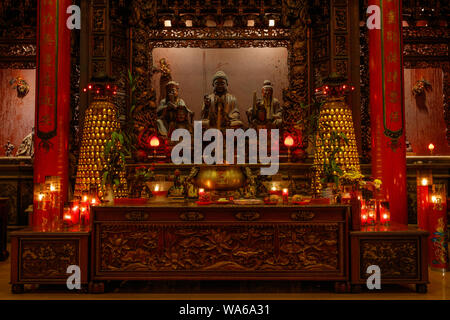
387, 108
53, 94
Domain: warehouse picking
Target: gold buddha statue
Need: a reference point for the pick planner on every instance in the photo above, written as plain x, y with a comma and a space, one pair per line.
219, 109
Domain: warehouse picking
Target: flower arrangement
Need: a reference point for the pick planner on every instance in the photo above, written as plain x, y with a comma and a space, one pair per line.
21, 86
420, 87
369, 188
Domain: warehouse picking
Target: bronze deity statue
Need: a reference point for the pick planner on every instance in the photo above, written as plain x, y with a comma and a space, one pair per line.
266, 112
219, 109
172, 112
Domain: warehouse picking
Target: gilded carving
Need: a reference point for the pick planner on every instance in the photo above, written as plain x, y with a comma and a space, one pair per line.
238, 247
302, 215
192, 216
136, 216
397, 259
43, 259
247, 216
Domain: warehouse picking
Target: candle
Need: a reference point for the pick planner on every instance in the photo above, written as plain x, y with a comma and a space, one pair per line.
384, 218
83, 216
157, 188
437, 227
363, 213
67, 218
363, 219
75, 213
371, 216
285, 196
201, 192
422, 204
275, 190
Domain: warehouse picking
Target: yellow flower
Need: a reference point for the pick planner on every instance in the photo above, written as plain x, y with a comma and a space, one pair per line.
377, 183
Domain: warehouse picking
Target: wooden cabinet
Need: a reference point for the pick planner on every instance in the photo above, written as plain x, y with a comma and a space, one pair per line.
3, 228
400, 252
220, 242
43, 257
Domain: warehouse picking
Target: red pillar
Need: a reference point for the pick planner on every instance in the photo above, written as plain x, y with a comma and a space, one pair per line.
53, 95
387, 107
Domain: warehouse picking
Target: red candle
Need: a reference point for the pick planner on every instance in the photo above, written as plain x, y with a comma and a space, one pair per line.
274, 190
75, 212
67, 218
84, 216
201, 192
422, 204
285, 196
364, 216
385, 215
371, 216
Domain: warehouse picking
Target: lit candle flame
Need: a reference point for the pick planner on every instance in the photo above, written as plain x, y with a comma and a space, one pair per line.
41, 196
67, 217
434, 199
285, 191
157, 187
274, 188
385, 216
201, 191
93, 201
52, 188
85, 198
75, 208
424, 181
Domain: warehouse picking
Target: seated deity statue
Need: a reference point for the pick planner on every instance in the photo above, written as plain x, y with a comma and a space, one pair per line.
26, 148
259, 118
172, 112
274, 111
219, 109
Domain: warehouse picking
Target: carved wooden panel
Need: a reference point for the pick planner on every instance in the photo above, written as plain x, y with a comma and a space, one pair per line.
235, 248
397, 259
47, 258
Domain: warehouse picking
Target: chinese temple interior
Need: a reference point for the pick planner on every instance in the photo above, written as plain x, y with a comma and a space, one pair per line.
218, 149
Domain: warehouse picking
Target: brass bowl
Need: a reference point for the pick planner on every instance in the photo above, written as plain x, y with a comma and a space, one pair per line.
220, 177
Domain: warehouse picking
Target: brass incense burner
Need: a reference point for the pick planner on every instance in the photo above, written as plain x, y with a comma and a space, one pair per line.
220, 177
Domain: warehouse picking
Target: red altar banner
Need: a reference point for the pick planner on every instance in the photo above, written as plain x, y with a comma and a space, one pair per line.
387, 107
53, 97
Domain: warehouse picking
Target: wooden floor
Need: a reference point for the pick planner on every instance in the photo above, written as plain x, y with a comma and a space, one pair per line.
438, 289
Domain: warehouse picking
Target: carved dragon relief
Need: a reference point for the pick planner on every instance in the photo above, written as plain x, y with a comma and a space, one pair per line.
156, 247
